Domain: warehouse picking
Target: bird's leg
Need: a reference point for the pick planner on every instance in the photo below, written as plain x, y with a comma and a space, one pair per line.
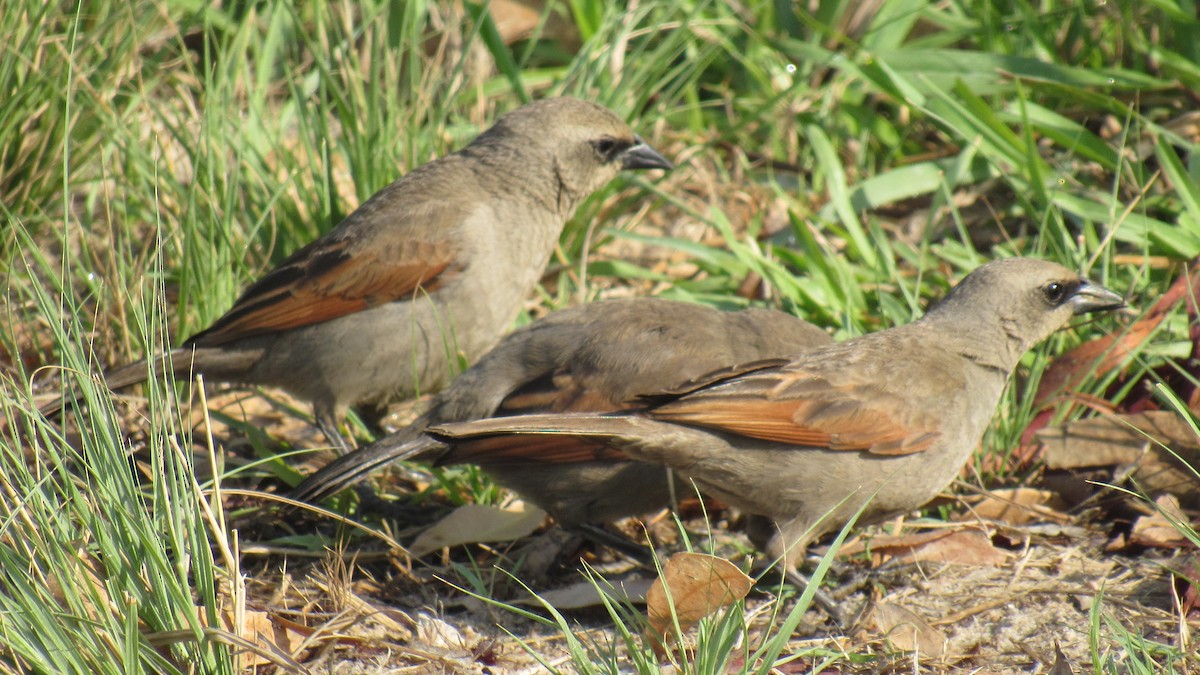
372, 415
786, 544
327, 423
617, 542
822, 599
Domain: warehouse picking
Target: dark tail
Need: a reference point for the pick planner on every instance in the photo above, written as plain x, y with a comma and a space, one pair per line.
124, 376
222, 365
409, 443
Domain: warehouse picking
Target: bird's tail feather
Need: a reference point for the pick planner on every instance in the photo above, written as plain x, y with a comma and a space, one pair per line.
178, 363
585, 424
349, 469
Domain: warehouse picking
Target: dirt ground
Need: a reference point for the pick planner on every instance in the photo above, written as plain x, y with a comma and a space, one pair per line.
1010, 582
1004, 617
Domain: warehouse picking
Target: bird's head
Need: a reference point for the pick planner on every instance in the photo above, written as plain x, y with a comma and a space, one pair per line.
1026, 299
580, 145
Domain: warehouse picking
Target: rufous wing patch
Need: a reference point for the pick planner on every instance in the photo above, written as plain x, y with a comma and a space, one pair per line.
824, 417
320, 283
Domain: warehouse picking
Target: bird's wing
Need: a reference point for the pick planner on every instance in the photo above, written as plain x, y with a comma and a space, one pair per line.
708, 379
817, 408
558, 391
331, 278
524, 448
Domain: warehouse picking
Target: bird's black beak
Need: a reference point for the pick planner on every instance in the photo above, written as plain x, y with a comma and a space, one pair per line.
642, 156
1092, 297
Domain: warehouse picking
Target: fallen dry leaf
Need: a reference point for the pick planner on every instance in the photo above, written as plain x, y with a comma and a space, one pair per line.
967, 546
907, 631
518, 19
1161, 529
474, 523
1158, 449
514, 20
1186, 574
1116, 439
691, 587
1018, 506
270, 633
435, 632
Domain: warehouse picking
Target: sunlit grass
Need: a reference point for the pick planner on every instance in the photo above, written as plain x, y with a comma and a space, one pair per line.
161, 156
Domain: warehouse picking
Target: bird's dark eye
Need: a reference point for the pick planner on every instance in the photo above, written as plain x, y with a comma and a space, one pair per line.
609, 148
1056, 292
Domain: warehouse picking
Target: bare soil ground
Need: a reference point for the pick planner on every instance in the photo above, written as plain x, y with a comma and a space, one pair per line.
1014, 591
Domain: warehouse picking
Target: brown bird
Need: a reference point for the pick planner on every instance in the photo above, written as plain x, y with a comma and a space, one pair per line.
599, 357
432, 266
886, 420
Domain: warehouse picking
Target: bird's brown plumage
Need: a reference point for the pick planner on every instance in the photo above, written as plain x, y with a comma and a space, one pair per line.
595, 358
886, 420
431, 269
327, 280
